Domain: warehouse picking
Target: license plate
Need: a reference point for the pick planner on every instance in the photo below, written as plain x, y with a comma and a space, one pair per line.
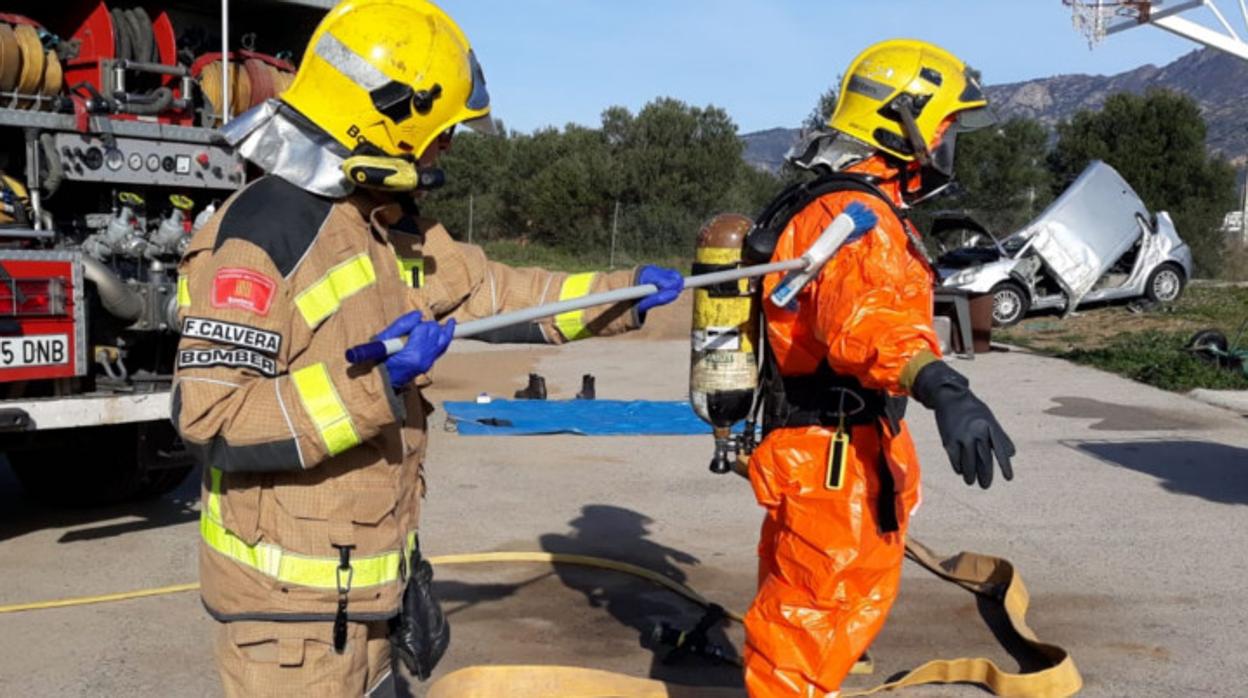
42, 350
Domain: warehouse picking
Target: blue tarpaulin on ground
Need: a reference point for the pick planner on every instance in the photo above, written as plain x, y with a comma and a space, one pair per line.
585, 417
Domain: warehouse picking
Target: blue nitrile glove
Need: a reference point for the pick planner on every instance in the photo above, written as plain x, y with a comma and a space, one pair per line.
426, 341
864, 219
670, 284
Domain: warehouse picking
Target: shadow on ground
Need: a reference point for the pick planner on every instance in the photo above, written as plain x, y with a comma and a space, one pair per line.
1110, 416
1209, 470
20, 514
457, 597
623, 534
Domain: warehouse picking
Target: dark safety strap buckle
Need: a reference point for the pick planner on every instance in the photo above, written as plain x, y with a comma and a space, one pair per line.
347, 573
856, 401
344, 569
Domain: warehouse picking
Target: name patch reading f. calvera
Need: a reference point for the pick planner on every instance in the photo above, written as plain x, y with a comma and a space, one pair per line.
233, 358
231, 333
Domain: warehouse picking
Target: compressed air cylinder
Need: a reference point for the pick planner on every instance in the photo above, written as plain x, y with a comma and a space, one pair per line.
724, 371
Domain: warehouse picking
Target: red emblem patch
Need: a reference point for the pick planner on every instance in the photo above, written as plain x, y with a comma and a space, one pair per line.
243, 289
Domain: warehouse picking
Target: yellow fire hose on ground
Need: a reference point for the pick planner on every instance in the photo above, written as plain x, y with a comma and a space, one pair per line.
987, 576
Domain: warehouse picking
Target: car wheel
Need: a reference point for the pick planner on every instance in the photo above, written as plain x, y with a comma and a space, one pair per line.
1010, 303
1165, 284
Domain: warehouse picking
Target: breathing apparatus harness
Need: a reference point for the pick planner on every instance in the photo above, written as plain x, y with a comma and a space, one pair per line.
823, 398
761, 241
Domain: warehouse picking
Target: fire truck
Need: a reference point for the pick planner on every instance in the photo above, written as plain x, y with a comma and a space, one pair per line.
109, 161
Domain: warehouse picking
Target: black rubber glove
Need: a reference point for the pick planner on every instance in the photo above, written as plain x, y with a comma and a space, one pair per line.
971, 435
419, 634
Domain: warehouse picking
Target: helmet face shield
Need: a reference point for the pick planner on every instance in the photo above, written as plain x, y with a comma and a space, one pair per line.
484, 125
976, 119
942, 154
973, 91
479, 97
965, 122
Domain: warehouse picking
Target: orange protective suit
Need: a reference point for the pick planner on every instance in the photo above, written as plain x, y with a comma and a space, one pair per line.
828, 573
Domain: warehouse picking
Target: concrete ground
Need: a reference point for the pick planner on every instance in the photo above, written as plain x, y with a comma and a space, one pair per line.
1234, 400
1125, 518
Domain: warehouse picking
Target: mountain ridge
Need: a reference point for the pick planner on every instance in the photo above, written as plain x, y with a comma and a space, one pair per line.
1216, 80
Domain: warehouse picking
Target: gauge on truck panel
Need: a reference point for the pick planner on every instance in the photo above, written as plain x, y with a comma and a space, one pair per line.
93, 158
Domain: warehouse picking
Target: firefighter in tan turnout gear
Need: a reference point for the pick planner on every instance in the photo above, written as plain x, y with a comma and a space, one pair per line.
313, 475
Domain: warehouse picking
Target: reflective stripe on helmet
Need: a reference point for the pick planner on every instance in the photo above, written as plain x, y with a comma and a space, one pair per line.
350, 63
322, 403
323, 298
871, 88
572, 324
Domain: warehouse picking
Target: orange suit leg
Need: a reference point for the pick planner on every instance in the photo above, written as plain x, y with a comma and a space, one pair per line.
830, 576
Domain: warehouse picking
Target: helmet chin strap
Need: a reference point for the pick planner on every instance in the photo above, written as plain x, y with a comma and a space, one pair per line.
391, 174
904, 107
935, 180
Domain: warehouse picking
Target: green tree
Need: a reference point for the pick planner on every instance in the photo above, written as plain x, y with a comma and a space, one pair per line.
1157, 142
670, 166
478, 169
822, 111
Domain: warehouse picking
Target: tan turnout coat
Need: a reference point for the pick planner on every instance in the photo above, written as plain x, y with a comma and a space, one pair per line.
305, 455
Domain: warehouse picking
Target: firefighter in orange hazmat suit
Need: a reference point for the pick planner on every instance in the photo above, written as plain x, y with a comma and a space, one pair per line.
837, 470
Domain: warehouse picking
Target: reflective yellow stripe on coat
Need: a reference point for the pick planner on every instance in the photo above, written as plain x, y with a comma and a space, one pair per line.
320, 399
412, 271
572, 324
304, 570
322, 299
184, 292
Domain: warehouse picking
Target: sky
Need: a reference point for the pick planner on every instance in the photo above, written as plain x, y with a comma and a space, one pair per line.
553, 62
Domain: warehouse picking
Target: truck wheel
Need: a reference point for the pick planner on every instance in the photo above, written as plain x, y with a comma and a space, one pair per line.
101, 465
1165, 284
1010, 304
163, 481
165, 463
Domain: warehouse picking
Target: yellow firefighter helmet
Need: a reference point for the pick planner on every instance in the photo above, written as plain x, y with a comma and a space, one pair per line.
898, 94
388, 77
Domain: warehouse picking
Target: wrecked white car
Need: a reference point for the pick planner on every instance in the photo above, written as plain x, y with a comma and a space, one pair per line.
1097, 242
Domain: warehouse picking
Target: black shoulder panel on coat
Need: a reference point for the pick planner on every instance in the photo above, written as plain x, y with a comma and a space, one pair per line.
277, 217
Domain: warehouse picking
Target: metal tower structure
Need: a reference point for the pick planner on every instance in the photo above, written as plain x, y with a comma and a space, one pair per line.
1097, 19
